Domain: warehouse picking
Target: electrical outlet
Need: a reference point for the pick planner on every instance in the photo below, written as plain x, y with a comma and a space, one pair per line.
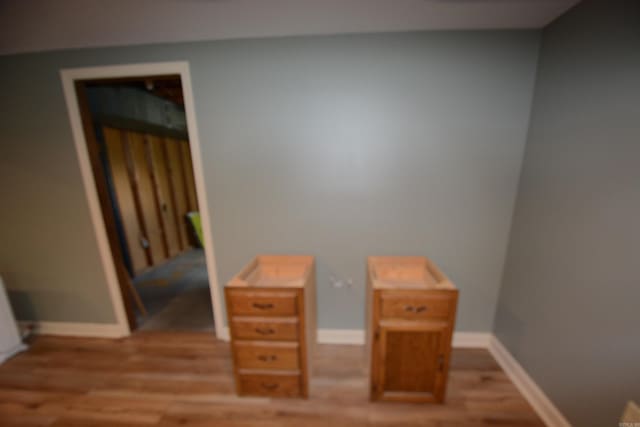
336, 283
339, 283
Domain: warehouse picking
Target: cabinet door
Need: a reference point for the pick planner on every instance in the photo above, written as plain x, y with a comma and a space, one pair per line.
411, 361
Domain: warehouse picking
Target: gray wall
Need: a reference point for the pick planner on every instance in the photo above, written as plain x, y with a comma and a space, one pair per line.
340, 147
569, 303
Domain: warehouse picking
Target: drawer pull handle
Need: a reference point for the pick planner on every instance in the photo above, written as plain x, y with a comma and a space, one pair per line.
265, 331
260, 306
268, 358
269, 386
412, 309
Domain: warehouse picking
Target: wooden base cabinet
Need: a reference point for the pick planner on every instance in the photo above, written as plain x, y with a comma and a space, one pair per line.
411, 309
271, 308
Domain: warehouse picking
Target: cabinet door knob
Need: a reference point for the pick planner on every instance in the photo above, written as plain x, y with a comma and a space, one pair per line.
269, 386
261, 306
441, 363
267, 358
412, 309
265, 331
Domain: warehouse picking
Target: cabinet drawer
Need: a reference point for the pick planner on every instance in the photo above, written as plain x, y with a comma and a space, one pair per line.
270, 385
266, 355
257, 303
414, 307
264, 328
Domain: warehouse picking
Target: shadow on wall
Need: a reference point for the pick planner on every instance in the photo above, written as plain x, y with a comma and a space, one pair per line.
513, 324
22, 305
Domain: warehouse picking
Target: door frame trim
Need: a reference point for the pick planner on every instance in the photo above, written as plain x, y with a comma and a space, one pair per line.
181, 68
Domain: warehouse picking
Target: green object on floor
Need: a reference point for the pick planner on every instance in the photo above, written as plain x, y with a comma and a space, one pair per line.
196, 225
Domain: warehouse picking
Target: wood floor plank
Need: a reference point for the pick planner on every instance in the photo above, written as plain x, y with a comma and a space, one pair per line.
26, 420
185, 379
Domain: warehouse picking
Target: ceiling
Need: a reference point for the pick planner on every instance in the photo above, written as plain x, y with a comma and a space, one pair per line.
38, 25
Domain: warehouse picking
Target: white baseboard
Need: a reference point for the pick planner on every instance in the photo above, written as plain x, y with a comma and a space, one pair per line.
543, 406
471, 339
325, 336
73, 329
341, 336
357, 337
224, 336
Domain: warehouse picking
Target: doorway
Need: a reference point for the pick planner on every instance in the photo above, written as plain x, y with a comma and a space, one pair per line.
135, 133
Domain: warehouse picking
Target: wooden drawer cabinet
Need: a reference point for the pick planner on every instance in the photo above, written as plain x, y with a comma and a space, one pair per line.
271, 312
414, 305
263, 303
265, 328
274, 385
411, 308
266, 355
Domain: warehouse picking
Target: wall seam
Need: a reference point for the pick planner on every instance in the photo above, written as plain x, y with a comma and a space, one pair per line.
516, 199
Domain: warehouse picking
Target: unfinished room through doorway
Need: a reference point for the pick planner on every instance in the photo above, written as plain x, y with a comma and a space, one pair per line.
137, 142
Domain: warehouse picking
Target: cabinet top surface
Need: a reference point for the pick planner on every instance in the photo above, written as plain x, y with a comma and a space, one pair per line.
417, 273
274, 271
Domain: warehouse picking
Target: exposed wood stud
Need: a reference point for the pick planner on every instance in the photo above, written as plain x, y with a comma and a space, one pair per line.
185, 173
156, 195
133, 179
165, 196
172, 187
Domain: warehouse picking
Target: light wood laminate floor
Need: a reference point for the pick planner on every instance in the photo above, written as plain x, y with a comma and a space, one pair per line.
184, 379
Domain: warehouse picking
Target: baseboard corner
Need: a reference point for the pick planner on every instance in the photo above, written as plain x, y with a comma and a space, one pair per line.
223, 334
544, 407
8, 354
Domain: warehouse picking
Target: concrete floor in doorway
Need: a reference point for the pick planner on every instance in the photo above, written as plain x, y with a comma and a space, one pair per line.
176, 295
